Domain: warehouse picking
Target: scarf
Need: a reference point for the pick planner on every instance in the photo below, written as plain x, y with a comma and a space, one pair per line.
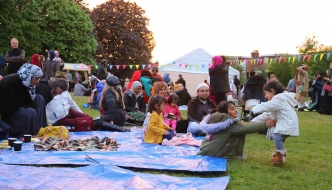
34, 60
26, 73
52, 55
217, 61
134, 86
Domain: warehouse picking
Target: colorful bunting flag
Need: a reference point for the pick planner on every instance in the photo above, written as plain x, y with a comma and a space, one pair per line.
111, 66
284, 59
293, 59
321, 56
174, 63
209, 64
327, 56
124, 66
137, 66
197, 66
190, 66
203, 66
305, 56
185, 65
315, 55
180, 65
280, 59
143, 66
274, 60
117, 66
149, 66
130, 66
288, 59
309, 57
271, 60
298, 58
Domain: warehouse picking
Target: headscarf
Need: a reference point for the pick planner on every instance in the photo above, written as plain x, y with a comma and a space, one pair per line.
26, 73
217, 61
52, 55
62, 83
134, 86
34, 60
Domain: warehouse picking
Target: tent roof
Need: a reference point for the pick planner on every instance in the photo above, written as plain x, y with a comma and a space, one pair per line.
76, 67
196, 61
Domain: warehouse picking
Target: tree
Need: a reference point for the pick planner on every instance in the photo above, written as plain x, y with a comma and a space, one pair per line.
309, 45
48, 24
242, 71
67, 28
122, 33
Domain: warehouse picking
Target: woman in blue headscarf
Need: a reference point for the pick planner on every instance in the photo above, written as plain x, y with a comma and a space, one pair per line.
20, 107
51, 66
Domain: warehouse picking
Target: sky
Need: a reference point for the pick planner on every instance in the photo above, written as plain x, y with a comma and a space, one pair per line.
233, 27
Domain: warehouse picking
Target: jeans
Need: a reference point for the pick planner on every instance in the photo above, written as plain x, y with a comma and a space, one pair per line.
171, 123
169, 136
279, 140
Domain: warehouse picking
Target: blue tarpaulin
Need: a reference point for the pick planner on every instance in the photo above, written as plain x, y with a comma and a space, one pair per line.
98, 177
132, 153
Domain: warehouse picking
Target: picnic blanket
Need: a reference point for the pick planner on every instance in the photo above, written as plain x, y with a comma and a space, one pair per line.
88, 144
182, 139
98, 176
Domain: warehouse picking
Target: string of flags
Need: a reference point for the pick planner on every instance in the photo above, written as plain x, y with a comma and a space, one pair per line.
258, 61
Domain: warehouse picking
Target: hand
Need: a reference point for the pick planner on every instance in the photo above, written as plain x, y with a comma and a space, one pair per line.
7, 64
270, 123
166, 133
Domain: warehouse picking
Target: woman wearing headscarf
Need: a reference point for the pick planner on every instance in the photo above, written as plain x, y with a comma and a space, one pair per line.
135, 104
35, 60
219, 83
113, 110
21, 108
51, 66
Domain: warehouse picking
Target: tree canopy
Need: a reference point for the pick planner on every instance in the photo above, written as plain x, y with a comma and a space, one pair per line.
46, 25
122, 33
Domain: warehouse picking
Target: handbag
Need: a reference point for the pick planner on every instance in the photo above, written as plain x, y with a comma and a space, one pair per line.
58, 132
83, 124
328, 87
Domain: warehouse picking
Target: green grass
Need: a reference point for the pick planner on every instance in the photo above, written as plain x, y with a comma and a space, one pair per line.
309, 157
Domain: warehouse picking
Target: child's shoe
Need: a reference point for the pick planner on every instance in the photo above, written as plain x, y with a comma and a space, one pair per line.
278, 157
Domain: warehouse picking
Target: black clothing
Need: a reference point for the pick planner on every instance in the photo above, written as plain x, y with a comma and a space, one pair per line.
101, 72
184, 97
130, 102
13, 67
44, 89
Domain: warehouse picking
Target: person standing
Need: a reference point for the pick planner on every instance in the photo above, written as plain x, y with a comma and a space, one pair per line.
237, 84
15, 57
2, 64
57, 58
51, 66
302, 86
291, 85
219, 81
102, 70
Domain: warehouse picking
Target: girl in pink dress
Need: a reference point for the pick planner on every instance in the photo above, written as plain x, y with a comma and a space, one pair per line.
172, 113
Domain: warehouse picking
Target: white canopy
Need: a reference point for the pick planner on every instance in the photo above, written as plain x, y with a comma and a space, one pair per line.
194, 68
77, 67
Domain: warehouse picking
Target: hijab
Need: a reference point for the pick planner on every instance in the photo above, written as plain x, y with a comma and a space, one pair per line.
26, 73
134, 86
217, 61
52, 55
34, 60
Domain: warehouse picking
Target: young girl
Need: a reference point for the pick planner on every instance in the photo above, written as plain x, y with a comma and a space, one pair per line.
156, 130
172, 113
281, 105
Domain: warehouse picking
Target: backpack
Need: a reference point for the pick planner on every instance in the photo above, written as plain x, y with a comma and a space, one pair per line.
167, 78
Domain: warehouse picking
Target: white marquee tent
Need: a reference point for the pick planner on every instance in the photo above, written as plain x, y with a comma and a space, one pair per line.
194, 68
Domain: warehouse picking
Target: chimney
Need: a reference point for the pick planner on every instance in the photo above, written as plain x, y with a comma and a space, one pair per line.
255, 54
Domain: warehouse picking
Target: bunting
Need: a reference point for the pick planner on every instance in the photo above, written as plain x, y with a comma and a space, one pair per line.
130, 66
124, 66
117, 66
137, 66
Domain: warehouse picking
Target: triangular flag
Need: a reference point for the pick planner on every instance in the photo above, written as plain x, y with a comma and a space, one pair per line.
284, 59
251, 62
190, 66
174, 63
288, 59
137, 66
124, 66
209, 64
180, 64
238, 61
203, 66
305, 56
111, 67
185, 65
327, 56
321, 56
130, 66
315, 57
298, 58
254, 61
279, 59
143, 66
293, 59
271, 60
261, 61
196, 66
169, 64
148, 65
117, 66
309, 57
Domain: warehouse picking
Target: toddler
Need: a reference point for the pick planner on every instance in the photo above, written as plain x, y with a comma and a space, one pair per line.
172, 113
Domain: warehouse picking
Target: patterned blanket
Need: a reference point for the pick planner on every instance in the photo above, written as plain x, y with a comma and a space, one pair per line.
90, 144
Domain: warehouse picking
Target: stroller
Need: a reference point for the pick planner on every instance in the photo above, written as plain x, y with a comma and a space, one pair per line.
252, 95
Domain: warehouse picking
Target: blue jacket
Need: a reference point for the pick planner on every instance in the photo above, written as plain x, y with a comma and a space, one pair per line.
99, 86
2, 64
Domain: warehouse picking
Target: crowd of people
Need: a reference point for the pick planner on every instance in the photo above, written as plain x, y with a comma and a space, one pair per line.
36, 91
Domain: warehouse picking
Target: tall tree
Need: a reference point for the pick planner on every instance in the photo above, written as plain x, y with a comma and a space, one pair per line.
67, 28
122, 33
309, 45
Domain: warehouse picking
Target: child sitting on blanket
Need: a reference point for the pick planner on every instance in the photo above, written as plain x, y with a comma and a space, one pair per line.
172, 113
156, 130
281, 105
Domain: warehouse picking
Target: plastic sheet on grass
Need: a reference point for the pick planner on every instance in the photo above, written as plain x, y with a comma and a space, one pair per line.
131, 154
98, 177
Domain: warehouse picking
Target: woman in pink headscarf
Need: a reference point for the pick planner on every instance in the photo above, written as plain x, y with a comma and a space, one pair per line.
219, 83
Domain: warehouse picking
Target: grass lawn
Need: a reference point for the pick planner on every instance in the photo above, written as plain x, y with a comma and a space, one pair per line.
309, 157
